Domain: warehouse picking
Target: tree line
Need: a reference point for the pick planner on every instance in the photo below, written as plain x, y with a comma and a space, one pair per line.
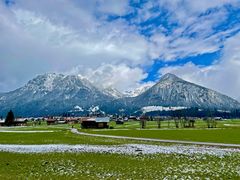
9, 121
196, 112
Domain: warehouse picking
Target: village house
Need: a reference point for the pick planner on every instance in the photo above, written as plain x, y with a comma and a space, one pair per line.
51, 121
133, 118
16, 122
120, 120
20, 122
62, 120
95, 122
72, 120
2, 122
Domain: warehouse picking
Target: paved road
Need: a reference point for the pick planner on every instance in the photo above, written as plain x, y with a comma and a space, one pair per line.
75, 131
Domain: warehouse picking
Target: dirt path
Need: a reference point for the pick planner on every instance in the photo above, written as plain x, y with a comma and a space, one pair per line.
75, 131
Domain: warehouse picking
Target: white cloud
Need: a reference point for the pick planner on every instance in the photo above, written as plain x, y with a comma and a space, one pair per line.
184, 11
194, 23
111, 41
34, 40
49, 36
223, 76
168, 48
203, 5
114, 7
121, 76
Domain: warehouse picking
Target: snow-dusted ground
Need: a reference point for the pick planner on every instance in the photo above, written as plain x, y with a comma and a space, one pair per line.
232, 125
16, 131
12, 127
120, 149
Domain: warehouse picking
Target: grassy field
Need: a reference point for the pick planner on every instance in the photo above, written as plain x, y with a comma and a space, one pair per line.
113, 166
42, 126
200, 124
208, 135
226, 131
116, 166
59, 137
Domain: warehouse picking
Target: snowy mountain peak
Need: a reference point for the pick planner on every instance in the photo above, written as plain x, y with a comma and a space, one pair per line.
174, 91
54, 94
49, 82
110, 91
169, 77
168, 80
41, 82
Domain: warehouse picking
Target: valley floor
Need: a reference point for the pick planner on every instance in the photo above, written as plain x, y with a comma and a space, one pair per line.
44, 152
136, 135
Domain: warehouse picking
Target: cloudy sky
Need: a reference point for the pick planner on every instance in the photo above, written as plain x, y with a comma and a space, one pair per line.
122, 43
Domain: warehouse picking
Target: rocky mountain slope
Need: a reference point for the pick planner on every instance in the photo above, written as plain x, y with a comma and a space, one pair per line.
113, 92
173, 91
54, 94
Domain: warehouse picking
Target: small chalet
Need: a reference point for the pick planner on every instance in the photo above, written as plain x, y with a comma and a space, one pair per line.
72, 120
61, 121
120, 121
95, 122
16, 122
20, 122
132, 118
2, 122
51, 121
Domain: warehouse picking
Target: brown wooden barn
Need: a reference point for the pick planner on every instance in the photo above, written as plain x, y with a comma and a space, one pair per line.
20, 122
95, 122
51, 121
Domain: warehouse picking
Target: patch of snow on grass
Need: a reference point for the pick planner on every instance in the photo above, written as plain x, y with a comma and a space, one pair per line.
130, 149
11, 131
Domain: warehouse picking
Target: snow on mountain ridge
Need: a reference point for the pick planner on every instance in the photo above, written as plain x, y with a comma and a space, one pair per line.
137, 91
50, 81
56, 93
113, 92
174, 91
52, 94
45, 83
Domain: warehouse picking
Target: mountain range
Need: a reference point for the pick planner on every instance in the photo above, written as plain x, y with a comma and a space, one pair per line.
54, 94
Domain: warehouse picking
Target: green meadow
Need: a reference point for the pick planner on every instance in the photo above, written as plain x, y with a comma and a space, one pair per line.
228, 135
120, 166
114, 166
226, 132
63, 136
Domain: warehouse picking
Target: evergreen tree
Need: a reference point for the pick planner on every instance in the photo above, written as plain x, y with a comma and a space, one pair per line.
10, 118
